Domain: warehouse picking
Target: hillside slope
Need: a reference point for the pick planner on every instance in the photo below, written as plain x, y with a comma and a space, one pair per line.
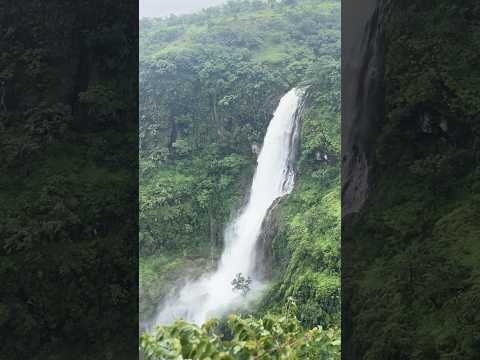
209, 85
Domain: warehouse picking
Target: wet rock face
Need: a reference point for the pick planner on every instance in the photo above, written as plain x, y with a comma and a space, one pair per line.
270, 228
362, 97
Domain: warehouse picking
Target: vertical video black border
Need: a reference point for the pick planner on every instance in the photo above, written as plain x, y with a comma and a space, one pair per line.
410, 188
69, 179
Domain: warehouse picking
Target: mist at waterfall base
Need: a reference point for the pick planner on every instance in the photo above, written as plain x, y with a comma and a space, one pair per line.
212, 295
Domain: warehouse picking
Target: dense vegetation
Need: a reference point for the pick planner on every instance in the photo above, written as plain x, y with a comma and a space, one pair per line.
415, 245
209, 83
68, 179
277, 337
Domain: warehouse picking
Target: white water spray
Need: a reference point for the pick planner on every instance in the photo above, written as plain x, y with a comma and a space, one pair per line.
212, 294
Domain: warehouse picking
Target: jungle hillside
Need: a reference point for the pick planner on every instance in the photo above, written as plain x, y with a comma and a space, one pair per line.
209, 84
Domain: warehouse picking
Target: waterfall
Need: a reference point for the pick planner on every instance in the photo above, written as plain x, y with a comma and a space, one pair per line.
212, 294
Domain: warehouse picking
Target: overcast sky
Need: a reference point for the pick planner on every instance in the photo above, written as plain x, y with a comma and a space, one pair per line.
158, 8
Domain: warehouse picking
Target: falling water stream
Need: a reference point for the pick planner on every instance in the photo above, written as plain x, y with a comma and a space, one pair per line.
212, 294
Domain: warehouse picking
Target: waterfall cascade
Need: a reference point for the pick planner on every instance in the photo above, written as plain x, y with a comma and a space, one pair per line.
212, 295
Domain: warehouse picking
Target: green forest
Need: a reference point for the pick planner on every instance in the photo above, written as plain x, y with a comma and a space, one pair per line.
209, 84
413, 248
68, 173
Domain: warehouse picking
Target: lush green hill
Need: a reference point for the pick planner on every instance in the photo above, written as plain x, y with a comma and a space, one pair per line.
414, 247
68, 176
209, 85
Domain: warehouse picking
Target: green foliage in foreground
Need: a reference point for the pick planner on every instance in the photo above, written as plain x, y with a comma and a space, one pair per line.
276, 337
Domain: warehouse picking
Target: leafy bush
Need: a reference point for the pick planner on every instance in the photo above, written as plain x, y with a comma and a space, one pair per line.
276, 337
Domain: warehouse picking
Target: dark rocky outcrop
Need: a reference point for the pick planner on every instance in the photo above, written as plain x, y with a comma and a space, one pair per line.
264, 250
362, 97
